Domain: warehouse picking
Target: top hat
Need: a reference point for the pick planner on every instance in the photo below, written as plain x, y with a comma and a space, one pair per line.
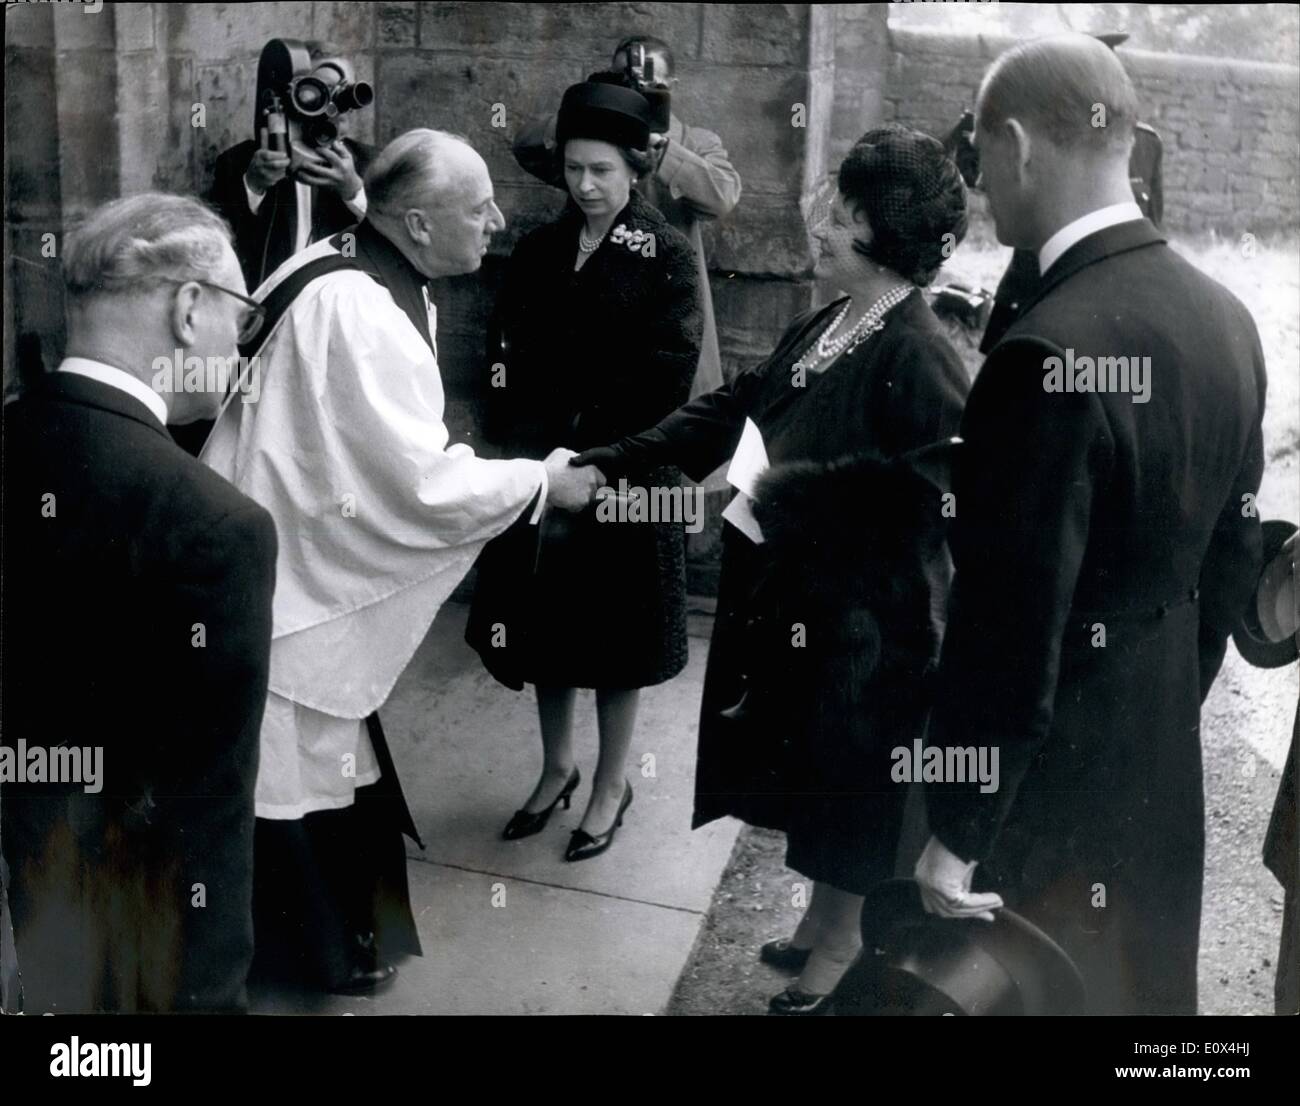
1252, 642
605, 112
916, 963
1113, 38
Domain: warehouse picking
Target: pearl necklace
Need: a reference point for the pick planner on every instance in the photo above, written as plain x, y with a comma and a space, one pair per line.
873, 320
585, 244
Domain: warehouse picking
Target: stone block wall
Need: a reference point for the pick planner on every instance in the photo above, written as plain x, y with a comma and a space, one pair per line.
1231, 129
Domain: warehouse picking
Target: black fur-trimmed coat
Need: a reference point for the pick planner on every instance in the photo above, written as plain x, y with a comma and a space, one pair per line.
588, 357
859, 583
812, 755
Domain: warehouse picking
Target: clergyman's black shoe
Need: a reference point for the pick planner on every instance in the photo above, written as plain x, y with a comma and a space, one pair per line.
368, 974
365, 981
784, 956
525, 823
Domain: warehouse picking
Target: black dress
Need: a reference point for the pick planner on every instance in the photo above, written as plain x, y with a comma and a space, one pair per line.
589, 356
811, 755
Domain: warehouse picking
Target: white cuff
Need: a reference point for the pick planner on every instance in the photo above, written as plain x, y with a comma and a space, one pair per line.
358, 204
541, 498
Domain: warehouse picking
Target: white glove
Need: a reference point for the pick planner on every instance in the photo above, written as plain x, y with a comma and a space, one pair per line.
945, 878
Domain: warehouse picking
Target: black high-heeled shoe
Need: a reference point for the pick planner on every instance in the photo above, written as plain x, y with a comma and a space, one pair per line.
525, 823
783, 955
583, 846
797, 1003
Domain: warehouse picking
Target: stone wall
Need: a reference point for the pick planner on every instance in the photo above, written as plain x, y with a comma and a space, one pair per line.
1231, 129
144, 67
106, 103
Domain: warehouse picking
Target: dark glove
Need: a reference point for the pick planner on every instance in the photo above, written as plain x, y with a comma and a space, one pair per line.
607, 458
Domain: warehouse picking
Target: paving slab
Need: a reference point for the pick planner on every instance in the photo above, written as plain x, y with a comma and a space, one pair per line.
468, 751
495, 945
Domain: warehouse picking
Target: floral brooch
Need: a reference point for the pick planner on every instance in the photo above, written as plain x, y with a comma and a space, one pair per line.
637, 241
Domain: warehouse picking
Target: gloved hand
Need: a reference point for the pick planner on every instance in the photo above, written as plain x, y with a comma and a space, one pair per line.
606, 457
944, 879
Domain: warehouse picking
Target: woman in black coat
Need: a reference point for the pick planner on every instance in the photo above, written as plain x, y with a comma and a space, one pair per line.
596, 333
827, 631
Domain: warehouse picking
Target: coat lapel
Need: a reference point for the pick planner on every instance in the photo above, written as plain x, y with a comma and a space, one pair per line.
72, 388
1107, 242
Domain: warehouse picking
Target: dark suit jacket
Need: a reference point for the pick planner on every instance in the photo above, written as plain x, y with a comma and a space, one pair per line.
264, 241
1084, 510
137, 618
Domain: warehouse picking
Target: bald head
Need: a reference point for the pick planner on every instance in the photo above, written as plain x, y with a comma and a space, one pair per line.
1054, 128
430, 194
420, 166
1062, 88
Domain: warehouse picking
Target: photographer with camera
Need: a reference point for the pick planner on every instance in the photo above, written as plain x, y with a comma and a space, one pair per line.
691, 178
299, 179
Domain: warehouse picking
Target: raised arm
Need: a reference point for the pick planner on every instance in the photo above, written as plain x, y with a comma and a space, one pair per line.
698, 171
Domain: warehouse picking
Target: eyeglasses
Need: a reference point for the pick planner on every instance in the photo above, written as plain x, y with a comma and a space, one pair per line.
251, 323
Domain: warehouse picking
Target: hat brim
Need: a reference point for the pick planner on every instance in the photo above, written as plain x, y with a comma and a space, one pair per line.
1046, 979
1256, 649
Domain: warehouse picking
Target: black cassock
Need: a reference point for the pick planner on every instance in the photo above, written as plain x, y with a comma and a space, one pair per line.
812, 757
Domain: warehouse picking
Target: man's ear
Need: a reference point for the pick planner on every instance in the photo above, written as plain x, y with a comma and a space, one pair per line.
183, 314
417, 226
1013, 132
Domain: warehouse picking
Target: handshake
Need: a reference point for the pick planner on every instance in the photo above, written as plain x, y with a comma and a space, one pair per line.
574, 478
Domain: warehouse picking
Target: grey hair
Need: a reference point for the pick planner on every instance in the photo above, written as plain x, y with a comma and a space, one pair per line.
132, 244
410, 170
1054, 85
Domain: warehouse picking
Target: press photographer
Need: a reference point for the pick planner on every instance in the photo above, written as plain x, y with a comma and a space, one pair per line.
298, 180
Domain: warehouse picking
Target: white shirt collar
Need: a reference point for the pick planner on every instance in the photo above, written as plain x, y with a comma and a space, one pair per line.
120, 379
1068, 235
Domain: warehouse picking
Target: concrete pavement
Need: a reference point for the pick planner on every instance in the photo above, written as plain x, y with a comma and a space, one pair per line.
508, 927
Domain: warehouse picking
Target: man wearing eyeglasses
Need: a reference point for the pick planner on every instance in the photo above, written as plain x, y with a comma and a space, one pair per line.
137, 589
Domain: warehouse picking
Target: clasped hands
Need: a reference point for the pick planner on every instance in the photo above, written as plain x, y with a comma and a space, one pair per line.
572, 487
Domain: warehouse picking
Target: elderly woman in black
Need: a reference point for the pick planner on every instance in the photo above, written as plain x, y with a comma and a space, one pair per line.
829, 624
596, 333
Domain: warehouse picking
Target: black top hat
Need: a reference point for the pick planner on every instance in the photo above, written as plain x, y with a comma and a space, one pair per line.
916, 963
1252, 643
605, 112
1112, 38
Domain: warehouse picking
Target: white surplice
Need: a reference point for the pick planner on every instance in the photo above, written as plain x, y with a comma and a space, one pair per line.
378, 516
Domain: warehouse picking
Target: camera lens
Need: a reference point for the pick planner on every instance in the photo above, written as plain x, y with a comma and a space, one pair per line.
320, 132
310, 96
355, 96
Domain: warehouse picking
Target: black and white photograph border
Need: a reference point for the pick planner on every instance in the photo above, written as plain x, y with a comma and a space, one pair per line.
691, 738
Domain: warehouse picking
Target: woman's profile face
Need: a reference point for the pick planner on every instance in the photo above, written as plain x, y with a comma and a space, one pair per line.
833, 228
598, 178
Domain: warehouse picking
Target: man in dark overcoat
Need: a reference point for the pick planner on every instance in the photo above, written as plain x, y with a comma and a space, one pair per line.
137, 632
1105, 541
